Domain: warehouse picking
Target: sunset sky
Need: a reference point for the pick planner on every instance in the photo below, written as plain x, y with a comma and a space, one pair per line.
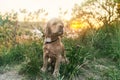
51, 6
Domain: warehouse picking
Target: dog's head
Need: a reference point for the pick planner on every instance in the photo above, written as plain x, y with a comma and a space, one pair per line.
54, 27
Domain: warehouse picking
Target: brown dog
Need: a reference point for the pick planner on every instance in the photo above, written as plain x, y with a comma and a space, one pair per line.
53, 49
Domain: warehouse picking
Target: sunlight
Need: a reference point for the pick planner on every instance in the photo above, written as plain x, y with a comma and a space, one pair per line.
76, 25
51, 6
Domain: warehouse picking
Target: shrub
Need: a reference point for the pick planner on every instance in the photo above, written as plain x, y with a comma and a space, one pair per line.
107, 40
77, 54
15, 55
33, 61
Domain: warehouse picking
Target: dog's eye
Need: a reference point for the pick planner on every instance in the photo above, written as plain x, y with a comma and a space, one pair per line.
61, 26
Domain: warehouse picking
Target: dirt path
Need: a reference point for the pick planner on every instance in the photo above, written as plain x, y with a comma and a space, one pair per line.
10, 75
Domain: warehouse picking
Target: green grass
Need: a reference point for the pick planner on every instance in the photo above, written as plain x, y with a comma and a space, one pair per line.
101, 69
97, 58
107, 41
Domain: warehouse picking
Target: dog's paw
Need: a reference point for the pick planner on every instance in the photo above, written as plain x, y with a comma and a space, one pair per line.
65, 61
43, 69
56, 74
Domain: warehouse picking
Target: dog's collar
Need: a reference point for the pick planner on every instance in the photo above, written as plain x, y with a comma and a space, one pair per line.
48, 42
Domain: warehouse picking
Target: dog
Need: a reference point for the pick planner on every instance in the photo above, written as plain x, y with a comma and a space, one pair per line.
53, 48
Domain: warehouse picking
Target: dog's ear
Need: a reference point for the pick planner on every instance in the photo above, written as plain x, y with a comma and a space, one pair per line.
47, 29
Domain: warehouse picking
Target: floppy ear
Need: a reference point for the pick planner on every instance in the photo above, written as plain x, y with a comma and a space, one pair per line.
47, 29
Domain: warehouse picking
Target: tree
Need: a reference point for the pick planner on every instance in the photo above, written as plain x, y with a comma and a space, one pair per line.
97, 12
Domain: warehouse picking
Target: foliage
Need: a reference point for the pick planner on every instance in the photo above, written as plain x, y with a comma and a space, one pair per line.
112, 74
77, 56
33, 60
107, 41
118, 1
3, 21
103, 42
7, 31
15, 55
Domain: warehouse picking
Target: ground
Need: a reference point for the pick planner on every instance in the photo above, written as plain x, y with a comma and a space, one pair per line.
10, 75
98, 69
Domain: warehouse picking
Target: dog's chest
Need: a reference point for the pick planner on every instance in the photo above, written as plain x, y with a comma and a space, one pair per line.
53, 48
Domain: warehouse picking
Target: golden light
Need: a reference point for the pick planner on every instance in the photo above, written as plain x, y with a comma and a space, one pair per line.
51, 6
76, 24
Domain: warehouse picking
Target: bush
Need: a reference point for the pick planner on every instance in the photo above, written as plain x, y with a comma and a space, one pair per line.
78, 54
33, 61
107, 40
15, 55
115, 55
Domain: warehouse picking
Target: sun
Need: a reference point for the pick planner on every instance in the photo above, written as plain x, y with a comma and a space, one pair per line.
75, 24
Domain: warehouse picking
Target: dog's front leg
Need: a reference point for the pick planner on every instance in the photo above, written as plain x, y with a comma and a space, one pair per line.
57, 66
45, 62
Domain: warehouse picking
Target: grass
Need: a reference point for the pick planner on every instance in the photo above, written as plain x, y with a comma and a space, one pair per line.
97, 58
102, 69
107, 41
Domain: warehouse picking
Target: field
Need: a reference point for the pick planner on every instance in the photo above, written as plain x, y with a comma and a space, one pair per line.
92, 45
96, 56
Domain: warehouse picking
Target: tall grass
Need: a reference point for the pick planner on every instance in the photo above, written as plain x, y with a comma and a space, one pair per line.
28, 55
104, 42
14, 55
33, 60
78, 55
107, 41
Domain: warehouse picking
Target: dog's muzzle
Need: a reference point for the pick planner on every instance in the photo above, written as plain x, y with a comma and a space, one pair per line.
60, 31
